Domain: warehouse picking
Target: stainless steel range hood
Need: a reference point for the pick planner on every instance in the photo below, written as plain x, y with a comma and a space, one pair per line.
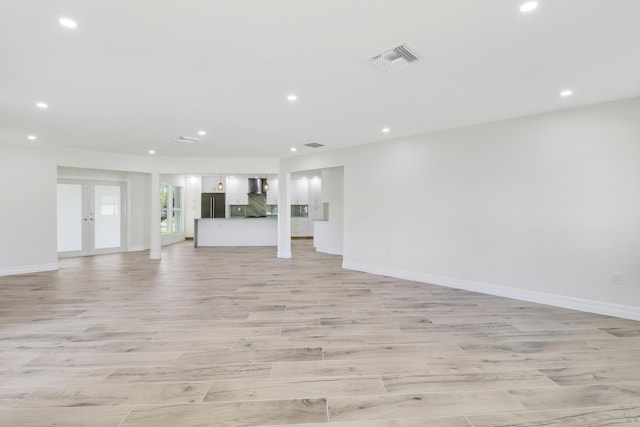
256, 185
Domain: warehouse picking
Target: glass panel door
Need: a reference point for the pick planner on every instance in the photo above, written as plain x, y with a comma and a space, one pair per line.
90, 218
107, 216
70, 211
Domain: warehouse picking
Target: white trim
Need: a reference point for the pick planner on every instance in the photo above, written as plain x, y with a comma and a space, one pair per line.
591, 306
334, 251
24, 269
137, 248
284, 254
155, 255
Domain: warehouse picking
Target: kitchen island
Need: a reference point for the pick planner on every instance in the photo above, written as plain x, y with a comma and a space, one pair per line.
236, 232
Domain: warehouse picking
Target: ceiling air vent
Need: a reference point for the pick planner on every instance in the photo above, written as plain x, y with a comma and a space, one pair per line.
314, 145
396, 57
187, 139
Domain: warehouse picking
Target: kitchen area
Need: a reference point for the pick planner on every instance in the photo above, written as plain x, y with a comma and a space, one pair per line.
242, 209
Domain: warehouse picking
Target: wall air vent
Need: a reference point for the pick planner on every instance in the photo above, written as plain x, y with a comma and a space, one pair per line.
397, 57
314, 145
187, 139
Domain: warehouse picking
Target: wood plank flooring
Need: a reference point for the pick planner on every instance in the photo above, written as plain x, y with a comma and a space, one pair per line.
236, 337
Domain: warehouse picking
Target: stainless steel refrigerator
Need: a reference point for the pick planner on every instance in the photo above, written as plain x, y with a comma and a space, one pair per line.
213, 205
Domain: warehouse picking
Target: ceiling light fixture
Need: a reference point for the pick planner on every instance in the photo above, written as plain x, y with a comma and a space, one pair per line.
220, 186
32, 137
566, 93
386, 130
68, 23
201, 133
529, 6
42, 105
151, 152
292, 98
293, 149
265, 184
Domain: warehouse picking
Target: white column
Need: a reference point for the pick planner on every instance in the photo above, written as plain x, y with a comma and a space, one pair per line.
336, 209
154, 222
284, 215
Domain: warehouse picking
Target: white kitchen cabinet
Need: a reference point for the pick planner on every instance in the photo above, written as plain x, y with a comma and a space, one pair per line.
299, 191
315, 198
314, 190
210, 184
244, 190
237, 189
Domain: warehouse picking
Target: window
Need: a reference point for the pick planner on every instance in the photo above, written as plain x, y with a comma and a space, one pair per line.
170, 209
108, 204
176, 210
164, 208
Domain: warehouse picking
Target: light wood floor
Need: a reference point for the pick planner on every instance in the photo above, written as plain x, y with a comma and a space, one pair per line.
237, 337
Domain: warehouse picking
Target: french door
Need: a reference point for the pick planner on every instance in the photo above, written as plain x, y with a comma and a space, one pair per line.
91, 217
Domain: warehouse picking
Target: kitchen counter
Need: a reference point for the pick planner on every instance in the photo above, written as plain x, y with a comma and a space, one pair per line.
235, 232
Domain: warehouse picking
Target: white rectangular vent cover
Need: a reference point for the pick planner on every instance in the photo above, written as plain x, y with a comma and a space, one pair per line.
397, 57
314, 145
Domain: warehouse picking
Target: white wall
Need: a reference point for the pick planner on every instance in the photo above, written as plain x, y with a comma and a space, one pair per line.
27, 211
335, 183
543, 208
139, 211
215, 165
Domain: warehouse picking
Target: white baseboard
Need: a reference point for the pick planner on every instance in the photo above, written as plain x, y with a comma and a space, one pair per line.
171, 239
334, 251
284, 254
155, 255
591, 306
24, 269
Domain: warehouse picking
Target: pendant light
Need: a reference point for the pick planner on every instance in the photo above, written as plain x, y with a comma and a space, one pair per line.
265, 185
220, 186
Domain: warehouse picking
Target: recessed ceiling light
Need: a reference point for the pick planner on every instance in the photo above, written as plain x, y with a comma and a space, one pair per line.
68, 23
151, 152
201, 133
529, 6
566, 93
32, 137
293, 149
42, 105
386, 130
292, 97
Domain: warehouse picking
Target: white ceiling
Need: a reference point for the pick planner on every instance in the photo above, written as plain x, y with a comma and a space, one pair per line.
137, 73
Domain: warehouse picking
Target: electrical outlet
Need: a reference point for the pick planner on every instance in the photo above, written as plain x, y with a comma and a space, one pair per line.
616, 279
